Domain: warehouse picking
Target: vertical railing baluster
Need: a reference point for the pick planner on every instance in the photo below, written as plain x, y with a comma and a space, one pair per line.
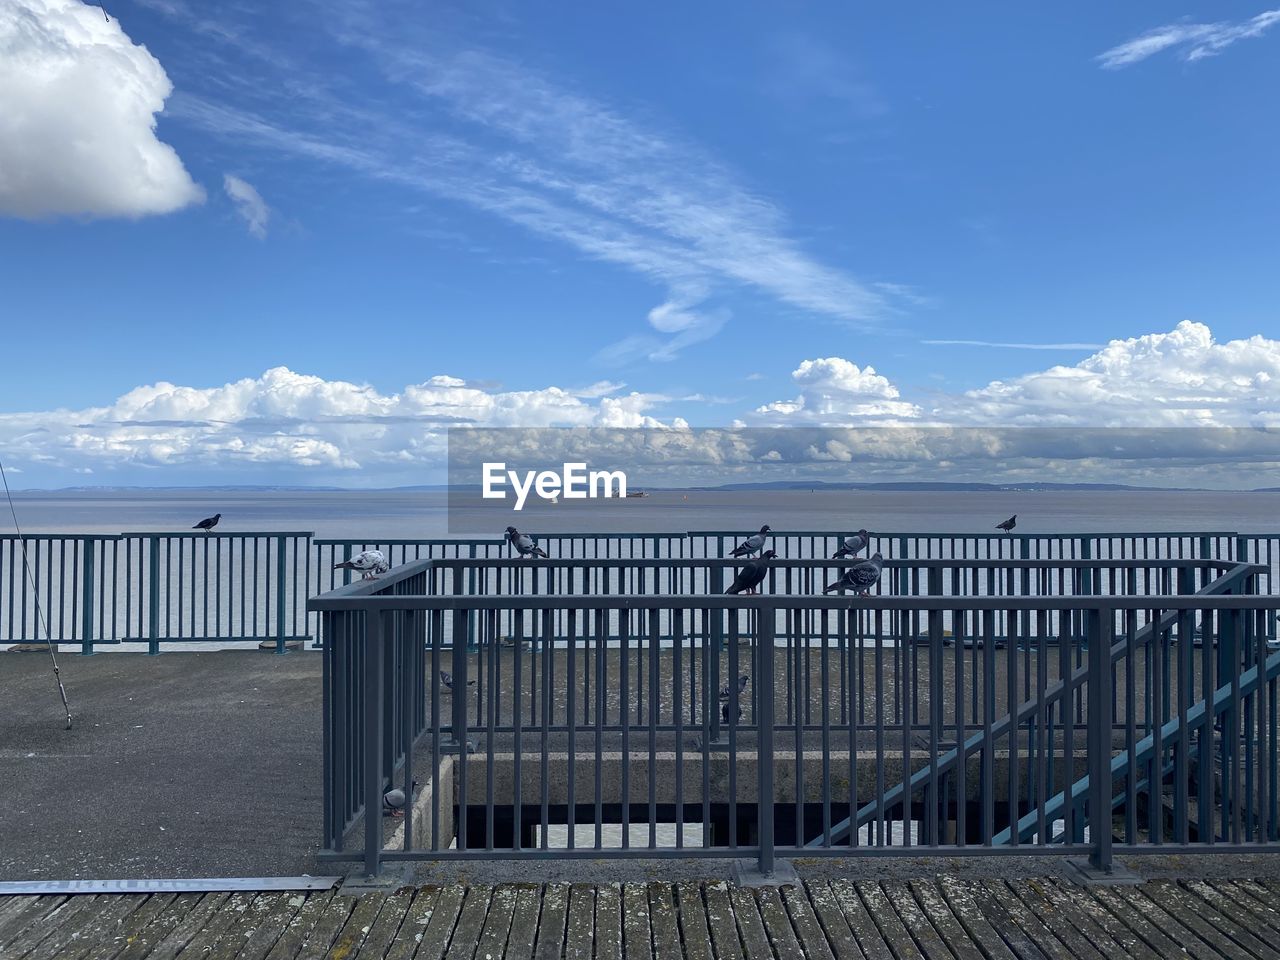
765, 738
1100, 627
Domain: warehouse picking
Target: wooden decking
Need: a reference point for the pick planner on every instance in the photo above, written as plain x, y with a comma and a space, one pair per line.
942, 919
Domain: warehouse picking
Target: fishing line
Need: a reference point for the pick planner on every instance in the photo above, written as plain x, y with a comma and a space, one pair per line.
35, 592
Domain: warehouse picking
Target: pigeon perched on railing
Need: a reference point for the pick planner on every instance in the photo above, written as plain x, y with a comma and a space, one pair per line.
208, 523
394, 801
852, 546
370, 563
524, 544
1008, 524
726, 697
752, 574
861, 577
446, 680
753, 543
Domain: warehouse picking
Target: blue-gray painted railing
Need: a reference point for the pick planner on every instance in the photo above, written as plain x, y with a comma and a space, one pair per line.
162, 589
882, 740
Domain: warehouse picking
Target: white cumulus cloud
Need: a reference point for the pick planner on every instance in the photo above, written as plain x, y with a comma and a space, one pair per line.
1183, 378
285, 419
249, 204
78, 105
837, 392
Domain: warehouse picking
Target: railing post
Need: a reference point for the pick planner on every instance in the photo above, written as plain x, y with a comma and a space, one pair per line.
1086, 573
1101, 626
471, 591
153, 597
457, 742
86, 599
372, 742
280, 604
764, 757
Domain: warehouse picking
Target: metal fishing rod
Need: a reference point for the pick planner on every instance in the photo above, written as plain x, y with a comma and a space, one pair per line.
35, 592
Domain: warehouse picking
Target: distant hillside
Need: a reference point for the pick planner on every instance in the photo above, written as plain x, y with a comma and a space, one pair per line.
940, 487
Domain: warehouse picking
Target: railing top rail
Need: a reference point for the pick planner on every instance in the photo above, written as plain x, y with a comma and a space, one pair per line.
775, 602
210, 534
663, 563
9, 535
993, 534
411, 541
638, 534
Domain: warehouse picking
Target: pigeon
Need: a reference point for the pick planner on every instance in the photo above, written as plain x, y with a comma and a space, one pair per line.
446, 678
393, 801
752, 574
726, 693
208, 523
860, 577
753, 544
1008, 524
370, 563
852, 546
524, 543
726, 697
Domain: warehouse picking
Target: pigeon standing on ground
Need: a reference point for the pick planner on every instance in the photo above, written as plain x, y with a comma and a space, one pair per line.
753, 543
752, 574
726, 697
524, 544
370, 563
208, 523
861, 577
446, 679
394, 801
1008, 524
852, 546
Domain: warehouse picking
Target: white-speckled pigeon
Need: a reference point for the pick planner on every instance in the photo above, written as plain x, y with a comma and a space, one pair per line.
861, 577
370, 563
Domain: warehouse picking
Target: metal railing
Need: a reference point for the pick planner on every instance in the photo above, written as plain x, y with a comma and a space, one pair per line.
190, 587
1065, 723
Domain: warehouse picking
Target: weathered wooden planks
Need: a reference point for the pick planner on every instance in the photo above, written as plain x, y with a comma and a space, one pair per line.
940, 919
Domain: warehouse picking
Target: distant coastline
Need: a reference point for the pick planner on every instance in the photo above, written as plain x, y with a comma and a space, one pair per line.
775, 485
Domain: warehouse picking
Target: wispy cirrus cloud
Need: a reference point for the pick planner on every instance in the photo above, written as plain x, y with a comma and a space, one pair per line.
1195, 40
253, 210
469, 126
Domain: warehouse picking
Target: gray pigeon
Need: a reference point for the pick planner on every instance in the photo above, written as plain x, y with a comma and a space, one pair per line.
752, 574
1008, 524
393, 801
726, 698
446, 679
524, 544
370, 563
753, 544
852, 546
861, 577
208, 523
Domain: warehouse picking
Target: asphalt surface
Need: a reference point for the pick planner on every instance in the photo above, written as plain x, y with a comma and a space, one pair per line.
181, 765
208, 764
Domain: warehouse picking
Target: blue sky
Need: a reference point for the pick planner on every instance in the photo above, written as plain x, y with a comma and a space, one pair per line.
684, 203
